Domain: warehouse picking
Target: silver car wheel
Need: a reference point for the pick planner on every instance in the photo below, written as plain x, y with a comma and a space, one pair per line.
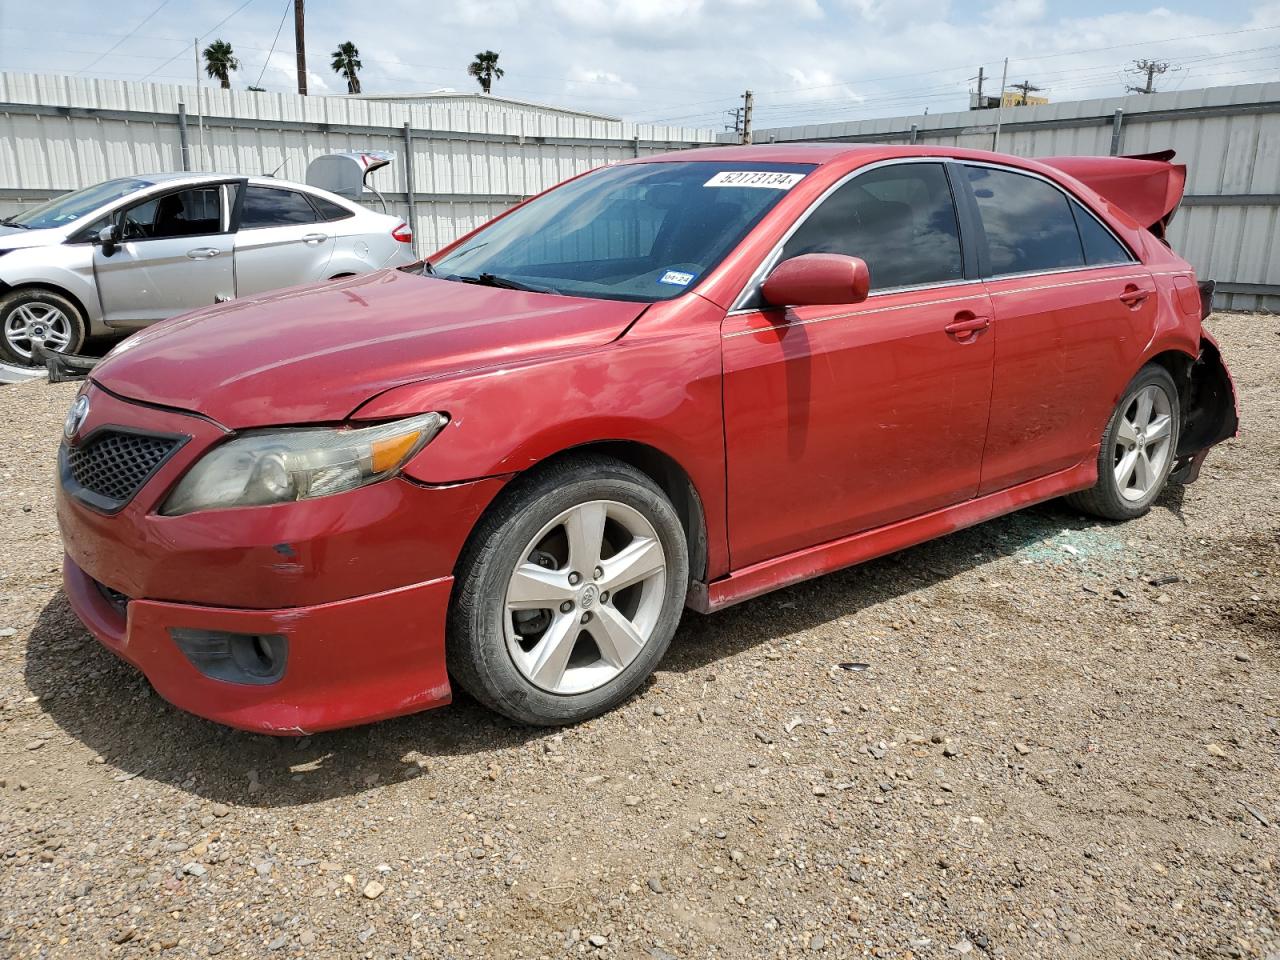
585, 598
35, 322
1143, 442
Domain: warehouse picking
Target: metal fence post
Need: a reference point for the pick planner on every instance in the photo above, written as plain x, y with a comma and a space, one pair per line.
1117, 132
408, 185
915, 133
182, 136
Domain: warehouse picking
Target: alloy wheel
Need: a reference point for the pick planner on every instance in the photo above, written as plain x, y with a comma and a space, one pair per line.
1143, 442
585, 598
37, 322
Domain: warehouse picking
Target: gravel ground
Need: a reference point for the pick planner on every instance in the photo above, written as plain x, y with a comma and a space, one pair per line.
1066, 743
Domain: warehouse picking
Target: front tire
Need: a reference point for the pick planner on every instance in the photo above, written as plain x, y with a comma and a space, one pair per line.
568, 593
1138, 449
38, 315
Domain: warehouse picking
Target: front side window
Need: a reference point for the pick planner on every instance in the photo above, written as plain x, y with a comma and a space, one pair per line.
187, 213
1028, 222
900, 219
273, 207
70, 207
643, 231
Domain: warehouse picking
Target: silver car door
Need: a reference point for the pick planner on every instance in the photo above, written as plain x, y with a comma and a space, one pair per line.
174, 255
280, 240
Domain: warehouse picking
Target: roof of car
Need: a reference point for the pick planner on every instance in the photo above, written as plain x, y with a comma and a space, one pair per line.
823, 153
198, 176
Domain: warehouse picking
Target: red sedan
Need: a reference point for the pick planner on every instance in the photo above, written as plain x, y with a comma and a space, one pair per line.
679, 381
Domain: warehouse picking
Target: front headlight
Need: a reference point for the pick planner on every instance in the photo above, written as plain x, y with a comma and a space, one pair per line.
277, 466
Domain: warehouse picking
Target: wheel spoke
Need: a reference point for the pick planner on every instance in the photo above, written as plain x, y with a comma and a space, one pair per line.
1158, 428
638, 560
1125, 468
584, 528
536, 588
552, 653
1142, 416
1126, 432
1143, 475
616, 636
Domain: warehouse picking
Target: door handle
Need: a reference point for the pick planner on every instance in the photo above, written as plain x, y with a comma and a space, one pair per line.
966, 326
315, 237
203, 253
1133, 295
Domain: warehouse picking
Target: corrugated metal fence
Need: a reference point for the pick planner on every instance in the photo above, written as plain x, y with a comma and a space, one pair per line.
61, 133
1229, 137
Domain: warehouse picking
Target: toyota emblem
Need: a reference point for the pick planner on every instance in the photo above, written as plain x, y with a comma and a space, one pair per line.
76, 417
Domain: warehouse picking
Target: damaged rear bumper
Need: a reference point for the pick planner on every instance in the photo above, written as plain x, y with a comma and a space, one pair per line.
1211, 409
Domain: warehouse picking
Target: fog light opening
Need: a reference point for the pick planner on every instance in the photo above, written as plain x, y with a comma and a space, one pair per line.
234, 657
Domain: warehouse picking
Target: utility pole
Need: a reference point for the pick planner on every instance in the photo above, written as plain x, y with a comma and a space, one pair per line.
1026, 86
747, 100
1151, 68
736, 113
981, 103
1004, 79
195, 48
300, 45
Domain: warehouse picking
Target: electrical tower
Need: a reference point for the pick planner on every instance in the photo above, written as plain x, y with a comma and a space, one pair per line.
1152, 68
1027, 88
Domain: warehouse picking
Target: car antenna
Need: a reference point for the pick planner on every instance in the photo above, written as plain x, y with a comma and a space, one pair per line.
279, 168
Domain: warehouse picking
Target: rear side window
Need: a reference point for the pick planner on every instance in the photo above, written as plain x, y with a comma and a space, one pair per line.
1100, 246
900, 219
271, 207
1028, 222
330, 210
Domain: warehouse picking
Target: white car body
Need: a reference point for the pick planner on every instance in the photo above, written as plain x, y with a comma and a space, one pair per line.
170, 257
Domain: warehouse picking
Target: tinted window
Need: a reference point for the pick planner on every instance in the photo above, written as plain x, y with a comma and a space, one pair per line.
900, 219
270, 207
187, 213
330, 210
1028, 222
1099, 245
643, 231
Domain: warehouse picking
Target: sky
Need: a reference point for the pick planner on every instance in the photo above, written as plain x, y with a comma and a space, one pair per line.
685, 62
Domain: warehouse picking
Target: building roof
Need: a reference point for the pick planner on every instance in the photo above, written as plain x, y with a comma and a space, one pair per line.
480, 99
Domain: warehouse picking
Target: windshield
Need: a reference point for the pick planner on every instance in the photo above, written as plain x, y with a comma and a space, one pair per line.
643, 231
70, 207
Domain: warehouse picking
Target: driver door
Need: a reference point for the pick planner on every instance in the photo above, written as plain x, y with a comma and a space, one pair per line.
842, 418
174, 255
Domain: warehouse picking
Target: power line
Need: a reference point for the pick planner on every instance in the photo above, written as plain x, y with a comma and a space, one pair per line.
181, 52
267, 61
142, 23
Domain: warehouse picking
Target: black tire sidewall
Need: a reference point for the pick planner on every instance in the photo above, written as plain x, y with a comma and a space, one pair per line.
477, 648
25, 295
1108, 488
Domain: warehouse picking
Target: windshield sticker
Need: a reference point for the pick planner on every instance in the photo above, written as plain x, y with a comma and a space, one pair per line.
755, 178
676, 277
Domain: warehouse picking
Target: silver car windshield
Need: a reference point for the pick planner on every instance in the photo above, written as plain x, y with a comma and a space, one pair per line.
70, 207
643, 231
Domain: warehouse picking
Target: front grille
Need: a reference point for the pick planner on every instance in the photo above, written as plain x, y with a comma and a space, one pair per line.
111, 465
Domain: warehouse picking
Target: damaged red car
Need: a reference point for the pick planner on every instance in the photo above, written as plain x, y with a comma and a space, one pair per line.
676, 382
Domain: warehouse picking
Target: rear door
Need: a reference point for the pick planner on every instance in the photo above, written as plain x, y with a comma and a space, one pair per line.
1073, 311
281, 240
174, 255
847, 417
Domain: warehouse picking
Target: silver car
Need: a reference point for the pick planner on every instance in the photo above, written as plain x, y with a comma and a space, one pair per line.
125, 253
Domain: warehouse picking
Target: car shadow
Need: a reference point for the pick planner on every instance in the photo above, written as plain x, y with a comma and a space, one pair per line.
110, 708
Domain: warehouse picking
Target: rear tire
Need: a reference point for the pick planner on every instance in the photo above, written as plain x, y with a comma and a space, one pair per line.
1138, 449
568, 592
38, 314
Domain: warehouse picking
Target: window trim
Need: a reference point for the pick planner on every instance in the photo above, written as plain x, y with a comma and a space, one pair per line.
249, 185
347, 213
771, 260
989, 274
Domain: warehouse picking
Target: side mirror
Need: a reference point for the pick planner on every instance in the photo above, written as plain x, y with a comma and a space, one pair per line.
814, 279
109, 238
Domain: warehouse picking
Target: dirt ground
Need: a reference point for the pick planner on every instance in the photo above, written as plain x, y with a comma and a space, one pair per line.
1066, 743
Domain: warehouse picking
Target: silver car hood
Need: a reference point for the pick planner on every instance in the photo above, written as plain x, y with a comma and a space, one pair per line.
14, 238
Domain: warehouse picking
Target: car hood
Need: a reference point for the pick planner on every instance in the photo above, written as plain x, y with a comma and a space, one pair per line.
14, 238
314, 354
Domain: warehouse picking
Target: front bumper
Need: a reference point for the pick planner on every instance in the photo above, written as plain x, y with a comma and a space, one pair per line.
356, 584
350, 662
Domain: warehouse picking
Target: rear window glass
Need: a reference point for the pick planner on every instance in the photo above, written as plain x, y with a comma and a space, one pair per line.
271, 207
1100, 246
1027, 221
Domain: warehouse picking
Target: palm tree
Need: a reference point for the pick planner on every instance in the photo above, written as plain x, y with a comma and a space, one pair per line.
219, 62
346, 61
485, 69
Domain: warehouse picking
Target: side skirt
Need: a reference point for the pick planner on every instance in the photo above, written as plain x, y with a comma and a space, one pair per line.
857, 548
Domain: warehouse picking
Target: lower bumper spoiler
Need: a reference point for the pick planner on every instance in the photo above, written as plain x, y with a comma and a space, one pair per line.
63, 367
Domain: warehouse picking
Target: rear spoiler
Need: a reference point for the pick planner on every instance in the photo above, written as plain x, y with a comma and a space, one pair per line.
1146, 186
